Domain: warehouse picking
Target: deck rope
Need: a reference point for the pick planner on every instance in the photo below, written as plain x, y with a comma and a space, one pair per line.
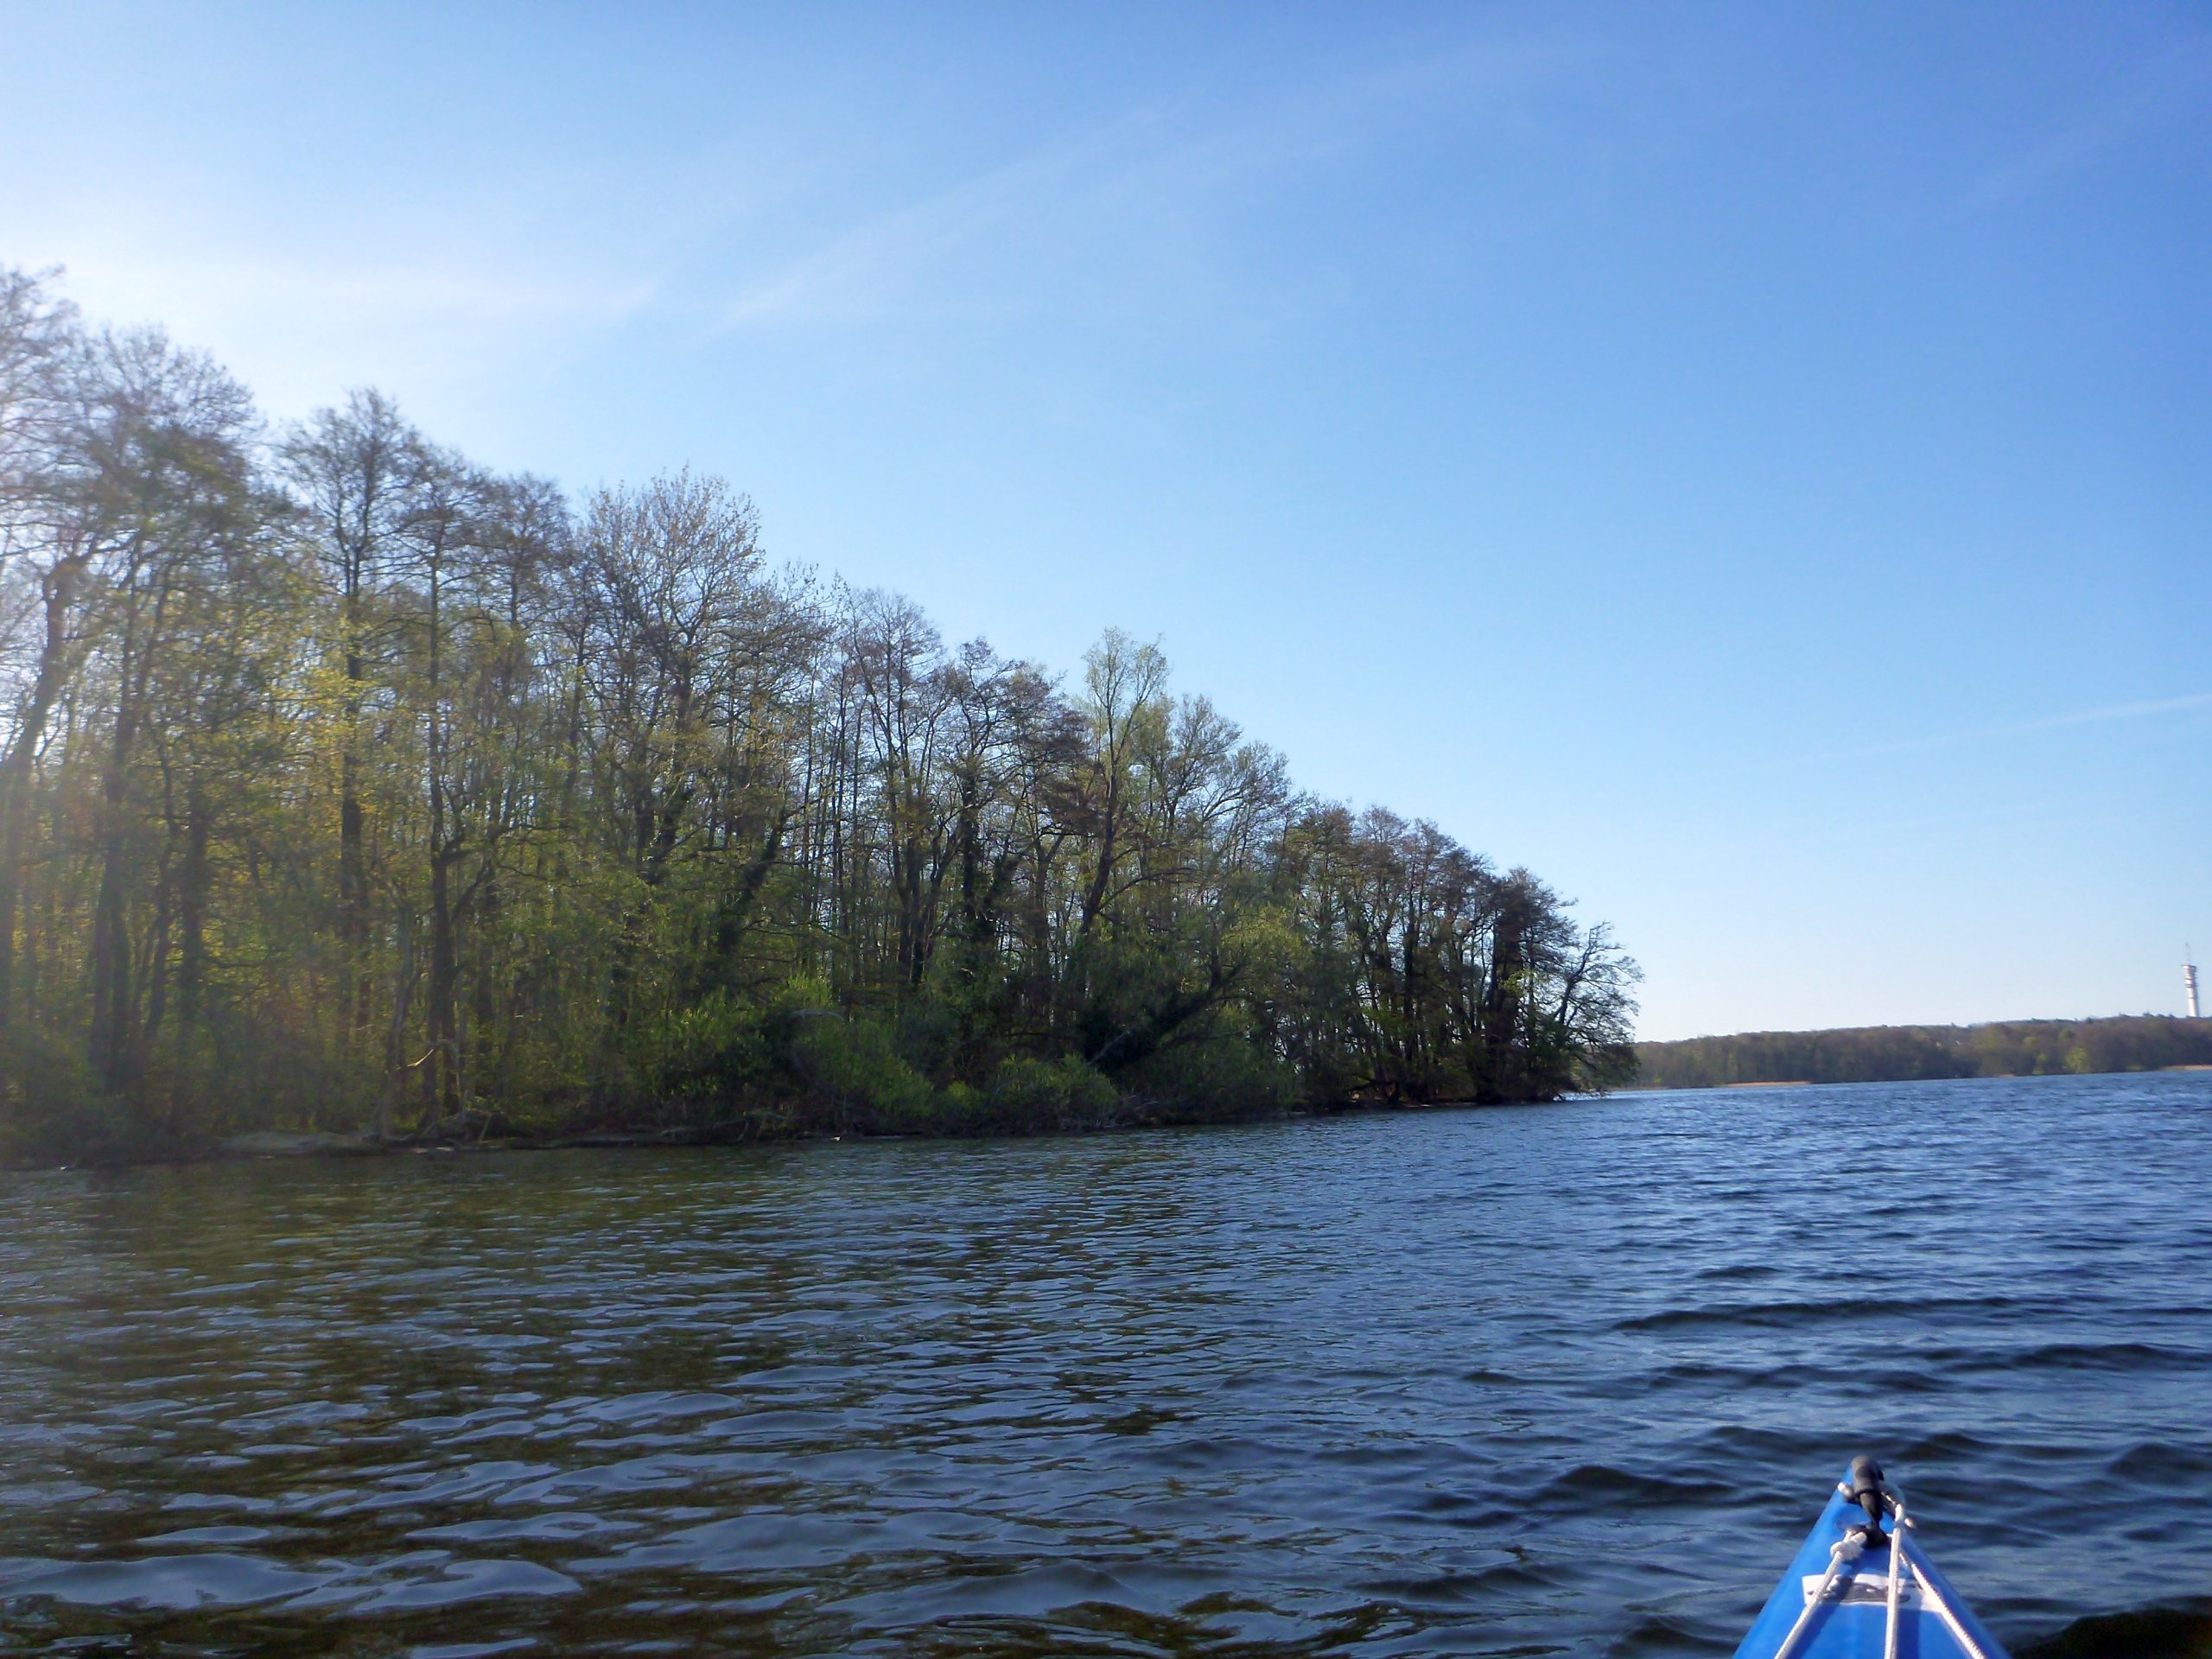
1846, 1548
1903, 1551
1921, 1571
1897, 1561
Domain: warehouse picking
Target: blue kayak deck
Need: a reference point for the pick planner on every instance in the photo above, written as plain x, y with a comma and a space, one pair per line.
1852, 1622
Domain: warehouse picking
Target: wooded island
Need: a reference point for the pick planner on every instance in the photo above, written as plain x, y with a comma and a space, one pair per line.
2012, 1048
347, 784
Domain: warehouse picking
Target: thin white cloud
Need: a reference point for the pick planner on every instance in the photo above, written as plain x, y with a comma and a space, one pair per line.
2152, 94
1139, 180
859, 271
436, 291
2149, 710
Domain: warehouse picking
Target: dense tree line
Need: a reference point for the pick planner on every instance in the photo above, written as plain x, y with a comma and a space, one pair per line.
2020, 1048
347, 783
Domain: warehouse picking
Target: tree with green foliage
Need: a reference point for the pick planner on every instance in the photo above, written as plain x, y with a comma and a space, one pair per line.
344, 784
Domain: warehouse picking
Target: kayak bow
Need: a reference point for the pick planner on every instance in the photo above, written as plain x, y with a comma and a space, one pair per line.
1861, 1590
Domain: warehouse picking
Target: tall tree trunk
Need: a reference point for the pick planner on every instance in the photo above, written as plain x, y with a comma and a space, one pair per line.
445, 979
483, 912
109, 1040
192, 911
353, 865
402, 996
109, 1045
55, 590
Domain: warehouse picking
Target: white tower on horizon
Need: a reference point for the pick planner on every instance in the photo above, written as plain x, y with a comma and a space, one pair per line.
2188, 979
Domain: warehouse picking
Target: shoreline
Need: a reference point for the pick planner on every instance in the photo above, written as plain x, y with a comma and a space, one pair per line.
276, 1146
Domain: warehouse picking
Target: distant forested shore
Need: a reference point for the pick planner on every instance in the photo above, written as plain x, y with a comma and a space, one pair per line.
2017, 1048
347, 785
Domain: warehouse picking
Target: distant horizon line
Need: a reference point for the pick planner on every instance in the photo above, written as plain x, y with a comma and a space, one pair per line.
1925, 1025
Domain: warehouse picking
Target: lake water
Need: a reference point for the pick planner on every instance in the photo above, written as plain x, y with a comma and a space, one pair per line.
1538, 1380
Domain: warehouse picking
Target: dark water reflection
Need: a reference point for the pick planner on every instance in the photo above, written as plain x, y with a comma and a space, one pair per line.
1545, 1381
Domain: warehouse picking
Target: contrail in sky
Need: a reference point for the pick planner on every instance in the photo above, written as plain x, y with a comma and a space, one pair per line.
2022, 728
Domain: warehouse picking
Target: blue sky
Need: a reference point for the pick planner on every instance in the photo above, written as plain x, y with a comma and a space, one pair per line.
1752, 464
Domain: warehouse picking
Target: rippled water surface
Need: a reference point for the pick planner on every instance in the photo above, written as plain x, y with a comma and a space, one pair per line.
1547, 1380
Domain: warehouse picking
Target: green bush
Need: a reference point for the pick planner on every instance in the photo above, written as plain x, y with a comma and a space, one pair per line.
853, 1067
961, 1107
1225, 1078
53, 1108
1063, 1094
928, 1034
802, 993
713, 1048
